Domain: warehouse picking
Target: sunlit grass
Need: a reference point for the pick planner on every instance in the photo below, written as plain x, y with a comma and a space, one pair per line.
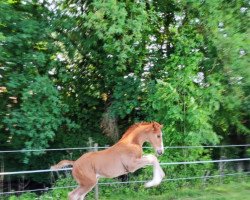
237, 191
213, 191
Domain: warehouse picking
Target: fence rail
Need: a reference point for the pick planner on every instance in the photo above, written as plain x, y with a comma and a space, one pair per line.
105, 147
127, 182
163, 163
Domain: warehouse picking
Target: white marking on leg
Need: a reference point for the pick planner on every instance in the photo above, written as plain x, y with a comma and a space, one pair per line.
156, 179
82, 197
158, 173
151, 159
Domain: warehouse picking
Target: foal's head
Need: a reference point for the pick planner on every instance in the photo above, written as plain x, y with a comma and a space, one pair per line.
154, 137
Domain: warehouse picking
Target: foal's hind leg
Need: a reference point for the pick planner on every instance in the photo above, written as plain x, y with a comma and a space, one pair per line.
85, 187
80, 192
75, 194
86, 190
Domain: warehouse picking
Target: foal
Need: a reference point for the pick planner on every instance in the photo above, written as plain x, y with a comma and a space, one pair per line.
125, 156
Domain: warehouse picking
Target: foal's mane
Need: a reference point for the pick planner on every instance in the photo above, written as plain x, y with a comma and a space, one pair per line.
133, 127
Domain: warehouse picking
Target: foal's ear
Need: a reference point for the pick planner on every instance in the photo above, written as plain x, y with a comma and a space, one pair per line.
156, 125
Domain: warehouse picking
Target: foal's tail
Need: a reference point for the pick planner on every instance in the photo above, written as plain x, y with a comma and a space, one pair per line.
62, 164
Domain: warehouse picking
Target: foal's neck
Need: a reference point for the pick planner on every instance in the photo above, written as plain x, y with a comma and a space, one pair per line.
138, 137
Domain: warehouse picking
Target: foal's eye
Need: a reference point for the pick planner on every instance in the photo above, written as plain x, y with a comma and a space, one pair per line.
158, 136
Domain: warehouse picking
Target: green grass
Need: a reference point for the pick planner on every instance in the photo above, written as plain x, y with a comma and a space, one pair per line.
217, 191
233, 191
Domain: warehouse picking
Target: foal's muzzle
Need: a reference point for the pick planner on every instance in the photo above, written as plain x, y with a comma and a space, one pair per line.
159, 152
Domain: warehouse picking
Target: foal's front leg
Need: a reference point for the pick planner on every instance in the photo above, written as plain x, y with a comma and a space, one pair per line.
158, 173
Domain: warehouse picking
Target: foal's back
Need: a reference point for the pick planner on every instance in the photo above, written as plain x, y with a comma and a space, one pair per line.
108, 163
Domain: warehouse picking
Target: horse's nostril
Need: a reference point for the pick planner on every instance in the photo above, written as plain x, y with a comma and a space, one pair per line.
159, 152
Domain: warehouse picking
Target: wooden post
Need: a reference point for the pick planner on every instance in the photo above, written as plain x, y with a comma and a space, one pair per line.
90, 144
9, 184
207, 173
96, 186
221, 169
2, 176
240, 170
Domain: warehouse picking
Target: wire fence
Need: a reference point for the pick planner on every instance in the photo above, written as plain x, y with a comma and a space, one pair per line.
105, 147
128, 182
2, 174
162, 163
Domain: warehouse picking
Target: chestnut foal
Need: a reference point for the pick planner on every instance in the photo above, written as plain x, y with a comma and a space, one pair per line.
123, 157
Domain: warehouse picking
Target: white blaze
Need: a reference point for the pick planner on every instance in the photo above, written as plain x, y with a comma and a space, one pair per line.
162, 145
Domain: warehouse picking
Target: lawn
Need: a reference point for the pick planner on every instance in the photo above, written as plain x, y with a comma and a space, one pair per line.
233, 191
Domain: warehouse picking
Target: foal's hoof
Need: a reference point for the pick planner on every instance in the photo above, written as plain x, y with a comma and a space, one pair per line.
151, 184
148, 184
162, 174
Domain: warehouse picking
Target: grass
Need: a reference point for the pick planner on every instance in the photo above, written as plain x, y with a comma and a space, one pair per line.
217, 191
233, 191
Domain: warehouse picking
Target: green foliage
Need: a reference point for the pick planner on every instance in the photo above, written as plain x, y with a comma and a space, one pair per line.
66, 65
229, 32
32, 109
39, 115
27, 196
118, 50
